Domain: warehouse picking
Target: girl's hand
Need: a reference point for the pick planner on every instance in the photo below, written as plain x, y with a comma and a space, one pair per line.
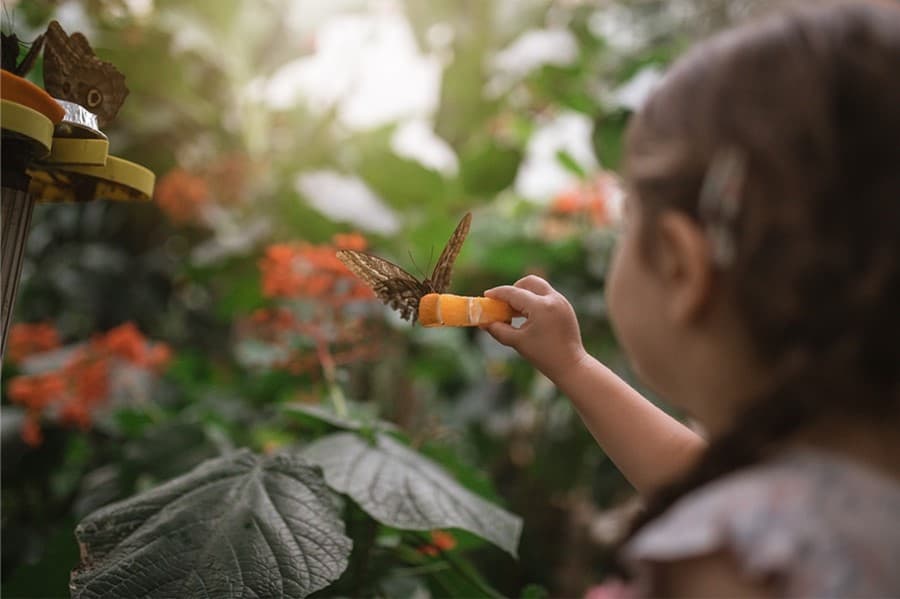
550, 338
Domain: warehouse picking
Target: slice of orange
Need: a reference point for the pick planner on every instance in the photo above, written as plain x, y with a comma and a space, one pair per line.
18, 89
448, 310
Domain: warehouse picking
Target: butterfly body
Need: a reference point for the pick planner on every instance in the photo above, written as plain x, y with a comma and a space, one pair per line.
396, 287
10, 57
72, 72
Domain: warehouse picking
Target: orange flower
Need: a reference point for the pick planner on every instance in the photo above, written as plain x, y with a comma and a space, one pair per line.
76, 414
591, 198
567, 202
182, 195
228, 176
159, 356
278, 278
361, 292
318, 284
83, 382
349, 241
38, 391
307, 341
295, 270
443, 540
31, 431
440, 541
126, 342
320, 333
91, 383
28, 339
270, 324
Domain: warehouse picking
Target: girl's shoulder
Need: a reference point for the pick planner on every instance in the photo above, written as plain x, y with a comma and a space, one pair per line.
819, 523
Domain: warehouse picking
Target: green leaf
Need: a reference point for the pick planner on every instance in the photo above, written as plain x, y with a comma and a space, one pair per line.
240, 525
570, 164
488, 167
607, 137
240, 290
357, 418
534, 591
401, 182
403, 489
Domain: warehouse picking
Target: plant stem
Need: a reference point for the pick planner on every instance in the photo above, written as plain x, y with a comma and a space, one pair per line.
364, 540
464, 569
335, 394
423, 569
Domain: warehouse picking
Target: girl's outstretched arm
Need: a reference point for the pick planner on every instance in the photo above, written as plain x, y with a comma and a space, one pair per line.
646, 444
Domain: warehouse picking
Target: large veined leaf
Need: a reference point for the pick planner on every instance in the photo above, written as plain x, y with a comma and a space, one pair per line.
237, 526
403, 489
359, 416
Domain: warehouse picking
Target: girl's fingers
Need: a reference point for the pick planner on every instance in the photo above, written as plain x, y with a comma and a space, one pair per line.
535, 284
520, 299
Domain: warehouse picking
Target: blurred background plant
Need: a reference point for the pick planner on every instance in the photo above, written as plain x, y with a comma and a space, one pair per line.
152, 337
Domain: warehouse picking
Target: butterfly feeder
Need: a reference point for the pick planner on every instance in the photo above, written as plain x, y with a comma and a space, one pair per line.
53, 147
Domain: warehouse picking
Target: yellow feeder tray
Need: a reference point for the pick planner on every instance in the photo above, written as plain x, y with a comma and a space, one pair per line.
28, 124
117, 180
84, 152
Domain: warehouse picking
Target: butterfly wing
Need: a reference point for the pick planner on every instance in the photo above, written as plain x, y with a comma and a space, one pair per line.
393, 285
440, 277
11, 54
72, 72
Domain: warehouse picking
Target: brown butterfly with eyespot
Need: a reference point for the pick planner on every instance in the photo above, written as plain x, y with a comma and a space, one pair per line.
72, 72
396, 287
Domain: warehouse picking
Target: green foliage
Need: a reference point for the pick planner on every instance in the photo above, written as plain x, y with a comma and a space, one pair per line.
229, 515
401, 488
607, 137
44, 578
489, 167
231, 524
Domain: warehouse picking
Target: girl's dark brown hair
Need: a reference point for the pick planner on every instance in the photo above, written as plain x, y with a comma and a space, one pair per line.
811, 99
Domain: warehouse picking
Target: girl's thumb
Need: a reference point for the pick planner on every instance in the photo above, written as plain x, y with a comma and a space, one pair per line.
503, 332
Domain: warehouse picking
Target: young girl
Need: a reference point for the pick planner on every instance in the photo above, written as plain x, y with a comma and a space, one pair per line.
757, 287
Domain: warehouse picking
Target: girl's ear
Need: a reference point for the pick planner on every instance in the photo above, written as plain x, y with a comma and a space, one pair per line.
683, 260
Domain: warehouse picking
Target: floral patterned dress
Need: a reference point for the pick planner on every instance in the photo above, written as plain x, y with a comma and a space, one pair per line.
816, 523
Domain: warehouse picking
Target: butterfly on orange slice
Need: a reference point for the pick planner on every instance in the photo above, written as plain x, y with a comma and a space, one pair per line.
426, 300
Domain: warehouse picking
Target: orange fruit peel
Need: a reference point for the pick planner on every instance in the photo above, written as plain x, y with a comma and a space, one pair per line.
448, 310
20, 90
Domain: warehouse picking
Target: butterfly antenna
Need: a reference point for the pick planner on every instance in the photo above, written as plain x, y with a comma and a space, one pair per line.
9, 17
430, 257
416, 266
7, 20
